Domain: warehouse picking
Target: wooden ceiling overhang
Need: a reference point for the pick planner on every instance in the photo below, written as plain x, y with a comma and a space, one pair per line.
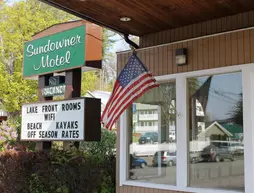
150, 16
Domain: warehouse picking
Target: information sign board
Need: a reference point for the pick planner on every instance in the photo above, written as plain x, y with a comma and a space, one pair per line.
54, 120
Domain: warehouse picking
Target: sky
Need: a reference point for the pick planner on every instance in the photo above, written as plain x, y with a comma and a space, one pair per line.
120, 44
224, 94
10, 2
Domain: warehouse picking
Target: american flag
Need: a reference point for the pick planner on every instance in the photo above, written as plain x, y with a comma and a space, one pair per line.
133, 81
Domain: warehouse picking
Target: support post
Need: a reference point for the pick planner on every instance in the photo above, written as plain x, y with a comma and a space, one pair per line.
43, 81
73, 89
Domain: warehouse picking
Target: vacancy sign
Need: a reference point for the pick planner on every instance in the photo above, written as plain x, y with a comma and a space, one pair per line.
55, 53
53, 121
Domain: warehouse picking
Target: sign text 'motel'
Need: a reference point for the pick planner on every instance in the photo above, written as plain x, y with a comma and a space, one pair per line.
54, 120
55, 53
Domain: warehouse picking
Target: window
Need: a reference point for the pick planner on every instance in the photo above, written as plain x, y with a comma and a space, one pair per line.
211, 121
216, 132
152, 151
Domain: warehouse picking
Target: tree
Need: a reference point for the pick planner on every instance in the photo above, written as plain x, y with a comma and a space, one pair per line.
27, 18
107, 43
103, 148
18, 24
89, 82
237, 112
102, 79
108, 73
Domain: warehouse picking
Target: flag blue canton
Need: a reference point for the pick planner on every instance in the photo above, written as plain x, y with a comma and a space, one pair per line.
131, 71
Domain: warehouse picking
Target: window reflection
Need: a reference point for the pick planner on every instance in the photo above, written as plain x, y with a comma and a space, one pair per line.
153, 136
216, 131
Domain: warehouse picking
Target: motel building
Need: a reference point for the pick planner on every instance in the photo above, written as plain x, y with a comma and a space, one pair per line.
202, 54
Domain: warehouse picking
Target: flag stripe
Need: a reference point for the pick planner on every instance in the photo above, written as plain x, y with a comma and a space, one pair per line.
121, 111
115, 94
132, 94
116, 86
128, 92
127, 88
133, 98
105, 115
110, 124
133, 81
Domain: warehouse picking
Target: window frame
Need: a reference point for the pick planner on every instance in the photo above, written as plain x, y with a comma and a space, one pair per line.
182, 170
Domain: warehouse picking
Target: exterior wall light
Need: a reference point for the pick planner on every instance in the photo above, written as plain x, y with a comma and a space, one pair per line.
181, 56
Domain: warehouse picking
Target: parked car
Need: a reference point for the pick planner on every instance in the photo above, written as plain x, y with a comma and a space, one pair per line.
195, 157
138, 162
237, 148
168, 158
217, 153
149, 137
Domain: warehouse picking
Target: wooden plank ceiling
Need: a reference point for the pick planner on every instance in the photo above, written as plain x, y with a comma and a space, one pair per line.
149, 16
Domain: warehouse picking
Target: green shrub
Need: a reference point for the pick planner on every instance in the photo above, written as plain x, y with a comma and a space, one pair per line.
16, 169
59, 171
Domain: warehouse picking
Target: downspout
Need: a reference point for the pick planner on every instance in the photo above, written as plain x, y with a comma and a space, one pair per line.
127, 40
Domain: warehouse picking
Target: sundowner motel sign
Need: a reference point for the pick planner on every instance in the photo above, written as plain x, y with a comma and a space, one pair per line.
55, 53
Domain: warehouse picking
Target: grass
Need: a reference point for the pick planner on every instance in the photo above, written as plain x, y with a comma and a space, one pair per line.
135, 139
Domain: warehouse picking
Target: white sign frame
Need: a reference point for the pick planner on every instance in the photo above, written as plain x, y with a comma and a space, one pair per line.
67, 118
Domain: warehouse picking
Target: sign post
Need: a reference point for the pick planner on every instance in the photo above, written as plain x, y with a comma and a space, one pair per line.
43, 81
73, 89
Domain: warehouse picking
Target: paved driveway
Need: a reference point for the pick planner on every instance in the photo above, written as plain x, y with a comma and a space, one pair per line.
225, 175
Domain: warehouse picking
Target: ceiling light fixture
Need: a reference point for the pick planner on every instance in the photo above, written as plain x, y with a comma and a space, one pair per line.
125, 19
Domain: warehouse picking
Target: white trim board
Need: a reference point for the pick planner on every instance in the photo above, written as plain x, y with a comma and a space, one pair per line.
206, 72
182, 142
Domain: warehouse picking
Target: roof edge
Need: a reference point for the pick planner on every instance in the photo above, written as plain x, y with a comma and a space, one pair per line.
83, 16
56, 25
